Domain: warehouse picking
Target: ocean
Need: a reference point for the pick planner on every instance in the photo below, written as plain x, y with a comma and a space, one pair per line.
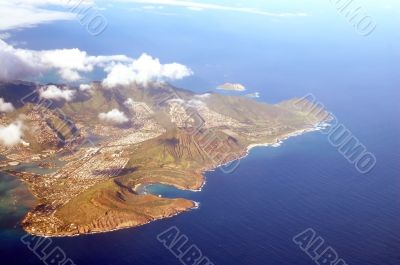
249, 217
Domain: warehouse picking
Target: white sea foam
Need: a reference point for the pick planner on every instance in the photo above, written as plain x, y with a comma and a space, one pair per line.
279, 142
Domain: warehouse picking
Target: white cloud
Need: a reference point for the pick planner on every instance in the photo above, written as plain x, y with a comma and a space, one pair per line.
23, 14
174, 71
54, 92
153, 7
17, 63
195, 103
12, 134
86, 88
203, 96
114, 116
143, 70
6, 106
119, 74
192, 103
5, 35
71, 64
129, 102
66, 3
253, 95
198, 6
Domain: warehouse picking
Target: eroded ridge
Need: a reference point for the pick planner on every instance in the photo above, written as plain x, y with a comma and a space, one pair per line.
92, 167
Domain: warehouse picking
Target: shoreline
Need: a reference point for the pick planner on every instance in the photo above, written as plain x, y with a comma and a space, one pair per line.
196, 205
279, 141
317, 127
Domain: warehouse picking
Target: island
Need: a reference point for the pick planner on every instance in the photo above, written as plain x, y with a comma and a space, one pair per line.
232, 87
91, 165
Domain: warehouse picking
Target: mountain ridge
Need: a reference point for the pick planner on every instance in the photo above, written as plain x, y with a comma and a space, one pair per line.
164, 135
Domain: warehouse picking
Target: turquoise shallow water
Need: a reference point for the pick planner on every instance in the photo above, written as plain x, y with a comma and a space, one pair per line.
15, 200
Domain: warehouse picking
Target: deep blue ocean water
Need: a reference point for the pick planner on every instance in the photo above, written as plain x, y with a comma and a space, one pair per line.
249, 217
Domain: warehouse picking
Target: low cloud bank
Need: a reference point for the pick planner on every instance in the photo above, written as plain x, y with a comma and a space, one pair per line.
72, 64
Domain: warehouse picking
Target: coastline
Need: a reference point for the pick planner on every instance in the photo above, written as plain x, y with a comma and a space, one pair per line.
279, 141
317, 127
196, 205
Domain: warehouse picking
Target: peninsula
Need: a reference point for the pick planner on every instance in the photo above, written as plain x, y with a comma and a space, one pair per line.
100, 146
